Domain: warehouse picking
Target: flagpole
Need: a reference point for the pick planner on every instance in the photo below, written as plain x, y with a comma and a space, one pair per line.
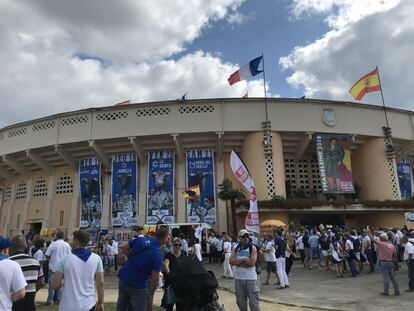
264, 86
382, 97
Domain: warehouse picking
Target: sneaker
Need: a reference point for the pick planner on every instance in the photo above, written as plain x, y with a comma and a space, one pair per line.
265, 283
286, 286
397, 294
409, 290
280, 287
384, 294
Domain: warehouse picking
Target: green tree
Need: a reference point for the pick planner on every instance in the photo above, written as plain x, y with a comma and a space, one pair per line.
228, 193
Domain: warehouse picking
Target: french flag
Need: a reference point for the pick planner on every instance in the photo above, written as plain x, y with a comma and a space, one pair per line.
247, 71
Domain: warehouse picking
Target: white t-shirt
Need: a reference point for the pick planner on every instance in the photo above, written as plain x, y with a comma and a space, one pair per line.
197, 251
270, 255
408, 249
113, 250
57, 250
299, 243
78, 290
39, 255
349, 245
227, 247
12, 280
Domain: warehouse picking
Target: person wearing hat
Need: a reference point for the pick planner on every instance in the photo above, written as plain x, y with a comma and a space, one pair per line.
33, 273
387, 257
243, 258
13, 284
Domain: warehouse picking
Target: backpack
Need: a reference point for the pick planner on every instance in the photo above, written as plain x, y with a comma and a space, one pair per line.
356, 243
257, 263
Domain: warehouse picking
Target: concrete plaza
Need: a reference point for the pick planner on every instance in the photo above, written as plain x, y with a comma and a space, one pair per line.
318, 288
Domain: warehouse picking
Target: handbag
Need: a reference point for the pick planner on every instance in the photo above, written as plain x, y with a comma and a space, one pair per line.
169, 296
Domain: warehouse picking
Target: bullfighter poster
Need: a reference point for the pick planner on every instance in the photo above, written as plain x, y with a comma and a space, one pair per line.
334, 160
90, 193
160, 191
200, 172
124, 194
405, 178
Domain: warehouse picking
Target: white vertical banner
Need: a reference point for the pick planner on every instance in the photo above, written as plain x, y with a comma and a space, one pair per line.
243, 175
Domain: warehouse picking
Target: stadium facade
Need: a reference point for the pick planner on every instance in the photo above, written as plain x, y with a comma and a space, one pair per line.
45, 162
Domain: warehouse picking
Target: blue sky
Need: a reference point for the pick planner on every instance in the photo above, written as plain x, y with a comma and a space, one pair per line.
268, 29
60, 56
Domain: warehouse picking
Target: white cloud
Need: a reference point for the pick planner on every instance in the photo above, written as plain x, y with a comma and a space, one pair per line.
357, 42
44, 43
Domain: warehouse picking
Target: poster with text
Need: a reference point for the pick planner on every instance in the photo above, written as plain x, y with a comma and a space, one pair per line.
334, 160
160, 191
405, 178
90, 193
200, 172
124, 186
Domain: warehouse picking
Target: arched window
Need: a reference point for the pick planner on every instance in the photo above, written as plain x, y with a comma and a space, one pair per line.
64, 185
21, 191
40, 188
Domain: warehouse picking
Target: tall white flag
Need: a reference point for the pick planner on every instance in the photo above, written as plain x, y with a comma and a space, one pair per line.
243, 175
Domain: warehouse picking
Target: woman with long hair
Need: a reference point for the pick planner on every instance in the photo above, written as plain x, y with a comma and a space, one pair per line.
170, 260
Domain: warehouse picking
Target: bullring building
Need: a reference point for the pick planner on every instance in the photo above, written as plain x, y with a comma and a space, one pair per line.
120, 166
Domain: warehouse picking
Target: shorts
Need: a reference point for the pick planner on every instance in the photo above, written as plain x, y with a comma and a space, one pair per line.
271, 266
315, 252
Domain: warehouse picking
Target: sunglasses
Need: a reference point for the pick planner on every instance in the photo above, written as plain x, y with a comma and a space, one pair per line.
246, 236
177, 244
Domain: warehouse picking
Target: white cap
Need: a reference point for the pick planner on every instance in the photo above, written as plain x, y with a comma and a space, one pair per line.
243, 232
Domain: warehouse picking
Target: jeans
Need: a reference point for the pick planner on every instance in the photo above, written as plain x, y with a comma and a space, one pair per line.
411, 274
351, 263
387, 268
370, 258
137, 298
52, 294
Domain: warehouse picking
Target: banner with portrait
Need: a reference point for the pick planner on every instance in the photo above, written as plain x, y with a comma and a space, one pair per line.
160, 190
200, 172
124, 190
334, 160
405, 178
90, 193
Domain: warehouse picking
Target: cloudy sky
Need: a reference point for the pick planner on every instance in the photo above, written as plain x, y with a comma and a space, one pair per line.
58, 55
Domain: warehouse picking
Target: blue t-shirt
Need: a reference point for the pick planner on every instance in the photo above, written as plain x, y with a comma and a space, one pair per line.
145, 257
314, 241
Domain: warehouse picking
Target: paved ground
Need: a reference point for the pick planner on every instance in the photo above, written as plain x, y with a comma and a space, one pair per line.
316, 289
319, 288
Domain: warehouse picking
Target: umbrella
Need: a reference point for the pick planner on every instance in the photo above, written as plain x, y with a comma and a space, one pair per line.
273, 223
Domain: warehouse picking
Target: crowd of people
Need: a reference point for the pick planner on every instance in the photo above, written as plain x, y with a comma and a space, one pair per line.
75, 274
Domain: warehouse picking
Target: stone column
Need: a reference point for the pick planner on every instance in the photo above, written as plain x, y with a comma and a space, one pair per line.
48, 201
278, 164
74, 211
221, 211
27, 203
181, 203
371, 172
142, 192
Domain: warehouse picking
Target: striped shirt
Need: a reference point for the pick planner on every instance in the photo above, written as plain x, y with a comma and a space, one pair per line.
31, 268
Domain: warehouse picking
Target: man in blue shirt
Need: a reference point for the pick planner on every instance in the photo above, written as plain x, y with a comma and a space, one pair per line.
139, 276
314, 245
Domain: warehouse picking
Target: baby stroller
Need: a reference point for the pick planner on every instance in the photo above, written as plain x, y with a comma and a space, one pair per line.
194, 286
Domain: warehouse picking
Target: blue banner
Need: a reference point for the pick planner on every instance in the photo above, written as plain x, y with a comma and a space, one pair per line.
200, 172
404, 178
124, 194
160, 191
90, 193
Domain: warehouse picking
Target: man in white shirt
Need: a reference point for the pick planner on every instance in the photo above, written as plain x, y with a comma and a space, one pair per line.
56, 251
270, 258
113, 251
13, 284
80, 270
409, 259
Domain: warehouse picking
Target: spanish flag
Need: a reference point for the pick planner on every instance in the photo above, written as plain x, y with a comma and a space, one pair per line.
368, 83
192, 192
